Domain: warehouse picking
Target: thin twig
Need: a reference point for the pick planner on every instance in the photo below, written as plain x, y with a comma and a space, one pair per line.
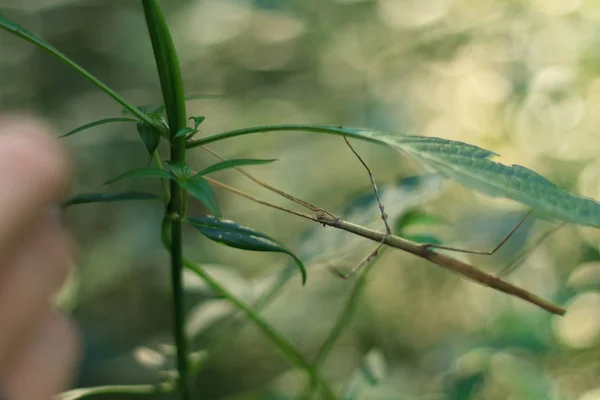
384, 216
511, 267
417, 249
483, 253
273, 189
372, 254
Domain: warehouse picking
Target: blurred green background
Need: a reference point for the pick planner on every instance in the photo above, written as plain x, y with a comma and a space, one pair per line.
517, 77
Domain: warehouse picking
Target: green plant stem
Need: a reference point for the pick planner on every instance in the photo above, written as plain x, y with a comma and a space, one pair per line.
282, 343
330, 130
171, 82
342, 322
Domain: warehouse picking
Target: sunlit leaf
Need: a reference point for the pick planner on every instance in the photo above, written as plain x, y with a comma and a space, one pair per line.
87, 198
142, 173
232, 164
241, 237
201, 190
103, 391
98, 123
149, 358
468, 164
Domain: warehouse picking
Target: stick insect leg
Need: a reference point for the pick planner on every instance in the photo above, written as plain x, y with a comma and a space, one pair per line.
484, 253
513, 265
360, 265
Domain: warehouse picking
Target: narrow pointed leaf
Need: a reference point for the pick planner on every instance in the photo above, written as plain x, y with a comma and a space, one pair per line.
201, 189
150, 136
468, 164
30, 37
241, 237
87, 198
184, 132
232, 164
98, 123
142, 173
197, 121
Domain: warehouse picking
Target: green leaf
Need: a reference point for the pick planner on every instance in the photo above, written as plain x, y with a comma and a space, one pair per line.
30, 37
150, 136
201, 189
372, 370
241, 237
142, 172
238, 162
103, 391
184, 132
197, 121
97, 123
87, 198
181, 171
465, 163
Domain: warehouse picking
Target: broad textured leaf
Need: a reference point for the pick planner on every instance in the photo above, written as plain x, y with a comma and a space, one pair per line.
86, 198
142, 173
465, 163
232, 164
241, 237
201, 189
150, 136
98, 123
471, 166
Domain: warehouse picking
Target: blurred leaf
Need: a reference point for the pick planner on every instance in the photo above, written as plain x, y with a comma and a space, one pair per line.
241, 237
424, 239
142, 172
206, 315
86, 198
232, 164
108, 390
201, 189
98, 123
149, 358
371, 370
417, 217
465, 163
197, 121
184, 132
465, 387
150, 136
